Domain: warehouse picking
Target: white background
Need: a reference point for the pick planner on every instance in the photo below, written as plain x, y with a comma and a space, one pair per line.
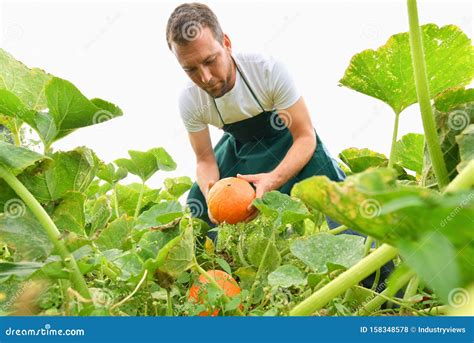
117, 51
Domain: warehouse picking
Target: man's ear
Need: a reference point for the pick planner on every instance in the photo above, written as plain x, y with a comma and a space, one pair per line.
227, 43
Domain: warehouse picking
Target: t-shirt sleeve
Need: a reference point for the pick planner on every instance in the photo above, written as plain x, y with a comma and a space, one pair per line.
189, 113
282, 86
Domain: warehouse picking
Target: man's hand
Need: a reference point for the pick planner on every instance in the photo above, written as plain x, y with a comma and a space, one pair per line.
263, 182
211, 218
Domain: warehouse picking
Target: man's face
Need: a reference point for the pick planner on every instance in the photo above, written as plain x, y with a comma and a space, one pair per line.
207, 63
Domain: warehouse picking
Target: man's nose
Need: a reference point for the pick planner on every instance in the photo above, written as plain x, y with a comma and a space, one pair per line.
205, 75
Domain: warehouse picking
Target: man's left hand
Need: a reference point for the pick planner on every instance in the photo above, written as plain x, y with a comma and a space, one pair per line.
263, 182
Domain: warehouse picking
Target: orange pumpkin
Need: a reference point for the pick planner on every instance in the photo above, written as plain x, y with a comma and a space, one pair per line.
228, 200
224, 280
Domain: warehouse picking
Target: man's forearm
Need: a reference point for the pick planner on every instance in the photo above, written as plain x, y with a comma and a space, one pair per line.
296, 158
206, 172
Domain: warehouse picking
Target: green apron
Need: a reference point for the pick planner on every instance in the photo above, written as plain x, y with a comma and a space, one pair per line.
258, 145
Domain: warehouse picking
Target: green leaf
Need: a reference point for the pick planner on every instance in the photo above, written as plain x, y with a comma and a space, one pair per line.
323, 250
108, 173
127, 197
465, 143
145, 164
69, 171
71, 110
374, 204
130, 264
256, 249
69, 213
18, 269
387, 73
116, 234
27, 84
409, 152
180, 257
21, 230
177, 186
224, 265
160, 214
99, 214
16, 159
286, 276
454, 112
439, 269
359, 160
282, 208
151, 242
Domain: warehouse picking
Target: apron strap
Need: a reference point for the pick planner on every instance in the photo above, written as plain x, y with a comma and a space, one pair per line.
248, 86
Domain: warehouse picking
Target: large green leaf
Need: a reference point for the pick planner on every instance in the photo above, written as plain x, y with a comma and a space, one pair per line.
145, 164
69, 214
71, 110
387, 73
319, 252
108, 173
175, 187
116, 235
409, 152
287, 276
359, 160
454, 112
27, 84
99, 214
160, 214
373, 203
18, 269
282, 208
69, 171
16, 159
127, 197
152, 241
21, 230
256, 250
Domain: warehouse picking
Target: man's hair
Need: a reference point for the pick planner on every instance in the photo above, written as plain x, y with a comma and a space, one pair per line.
187, 22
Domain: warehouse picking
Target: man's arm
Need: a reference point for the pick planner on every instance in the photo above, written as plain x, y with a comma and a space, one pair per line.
207, 172
298, 120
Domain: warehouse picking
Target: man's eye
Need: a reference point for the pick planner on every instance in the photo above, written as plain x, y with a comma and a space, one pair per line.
210, 61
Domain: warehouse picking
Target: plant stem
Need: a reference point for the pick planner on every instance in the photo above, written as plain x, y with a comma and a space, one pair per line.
368, 245
463, 181
117, 214
169, 308
344, 281
139, 202
51, 230
423, 93
389, 292
412, 288
337, 230
394, 140
16, 134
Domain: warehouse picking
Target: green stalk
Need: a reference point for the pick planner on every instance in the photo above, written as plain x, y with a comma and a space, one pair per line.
394, 140
140, 198
117, 214
337, 230
422, 90
368, 245
51, 230
463, 181
412, 288
389, 292
169, 308
344, 281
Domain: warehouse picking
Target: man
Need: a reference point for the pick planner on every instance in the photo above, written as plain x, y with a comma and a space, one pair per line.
269, 139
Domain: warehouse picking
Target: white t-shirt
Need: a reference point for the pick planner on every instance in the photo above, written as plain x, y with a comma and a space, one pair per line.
268, 78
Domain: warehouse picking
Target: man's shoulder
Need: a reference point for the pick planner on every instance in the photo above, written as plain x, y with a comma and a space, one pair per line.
255, 59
